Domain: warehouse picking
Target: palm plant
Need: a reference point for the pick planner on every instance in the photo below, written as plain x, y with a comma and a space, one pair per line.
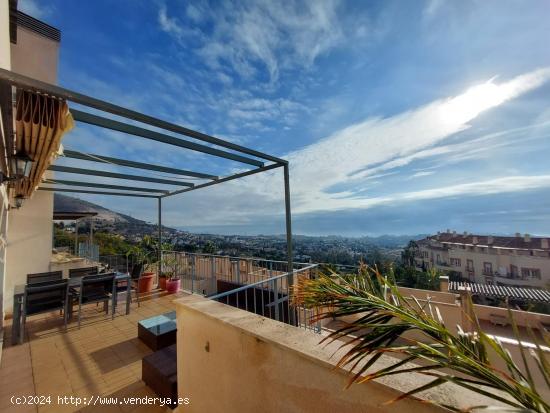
384, 316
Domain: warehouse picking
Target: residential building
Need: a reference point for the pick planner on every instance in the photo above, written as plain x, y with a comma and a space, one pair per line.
521, 260
30, 47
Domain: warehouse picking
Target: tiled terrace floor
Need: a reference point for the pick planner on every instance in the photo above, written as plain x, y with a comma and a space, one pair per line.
102, 358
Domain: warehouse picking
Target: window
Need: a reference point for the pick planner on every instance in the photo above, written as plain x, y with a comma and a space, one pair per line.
530, 272
455, 262
514, 270
487, 268
470, 265
438, 260
425, 254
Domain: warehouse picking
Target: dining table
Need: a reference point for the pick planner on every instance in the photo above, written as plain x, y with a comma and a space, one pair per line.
19, 297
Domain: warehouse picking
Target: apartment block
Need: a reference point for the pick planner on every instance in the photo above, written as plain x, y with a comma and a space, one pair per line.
521, 260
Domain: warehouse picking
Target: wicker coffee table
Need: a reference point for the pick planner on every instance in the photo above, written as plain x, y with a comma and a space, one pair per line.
159, 331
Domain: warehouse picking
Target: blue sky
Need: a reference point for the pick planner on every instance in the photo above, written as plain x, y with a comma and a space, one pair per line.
397, 117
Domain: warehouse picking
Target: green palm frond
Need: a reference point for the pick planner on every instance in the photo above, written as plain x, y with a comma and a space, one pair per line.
383, 316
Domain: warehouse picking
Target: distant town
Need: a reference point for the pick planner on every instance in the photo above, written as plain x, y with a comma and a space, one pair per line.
520, 260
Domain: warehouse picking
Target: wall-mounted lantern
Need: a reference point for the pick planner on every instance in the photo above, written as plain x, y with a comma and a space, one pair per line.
20, 165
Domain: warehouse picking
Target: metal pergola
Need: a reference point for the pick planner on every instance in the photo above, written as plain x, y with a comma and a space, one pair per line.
256, 161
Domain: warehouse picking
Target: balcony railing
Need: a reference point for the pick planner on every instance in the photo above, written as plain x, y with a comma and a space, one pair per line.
253, 284
88, 251
271, 298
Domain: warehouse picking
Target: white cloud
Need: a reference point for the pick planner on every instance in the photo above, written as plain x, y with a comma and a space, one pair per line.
432, 7
478, 148
35, 9
168, 24
487, 187
420, 174
333, 160
393, 141
194, 12
275, 34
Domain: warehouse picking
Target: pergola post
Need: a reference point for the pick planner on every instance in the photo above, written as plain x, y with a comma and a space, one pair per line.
159, 252
76, 237
91, 230
288, 219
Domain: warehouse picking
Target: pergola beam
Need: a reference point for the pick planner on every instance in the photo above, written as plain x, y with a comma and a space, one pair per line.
227, 178
29, 83
133, 164
82, 191
112, 124
71, 170
104, 186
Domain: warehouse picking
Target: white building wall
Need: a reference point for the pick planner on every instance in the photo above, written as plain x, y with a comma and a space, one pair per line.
29, 235
29, 242
5, 63
5, 56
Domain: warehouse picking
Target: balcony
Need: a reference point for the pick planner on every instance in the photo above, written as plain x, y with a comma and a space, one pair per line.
264, 343
103, 357
519, 280
443, 264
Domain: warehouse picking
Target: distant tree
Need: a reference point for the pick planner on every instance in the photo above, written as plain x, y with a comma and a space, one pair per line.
410, 252
209, 248
190, 247
405, 276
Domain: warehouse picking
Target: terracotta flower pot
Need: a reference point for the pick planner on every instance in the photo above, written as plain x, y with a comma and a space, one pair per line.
145, 284
162, 282
173, 286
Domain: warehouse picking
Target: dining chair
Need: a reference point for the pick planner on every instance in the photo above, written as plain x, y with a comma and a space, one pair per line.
45, 297
80, 272
122, 286
95, 289
44, 277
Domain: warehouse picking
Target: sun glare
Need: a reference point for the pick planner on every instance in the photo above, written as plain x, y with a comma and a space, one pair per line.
470, 104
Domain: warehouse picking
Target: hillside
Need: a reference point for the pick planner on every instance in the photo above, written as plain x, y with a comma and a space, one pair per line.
106, 219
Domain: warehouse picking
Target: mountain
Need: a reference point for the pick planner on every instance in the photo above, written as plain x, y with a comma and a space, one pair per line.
106, 219
64, 203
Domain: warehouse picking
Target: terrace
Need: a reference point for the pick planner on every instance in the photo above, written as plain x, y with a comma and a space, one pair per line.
240, 345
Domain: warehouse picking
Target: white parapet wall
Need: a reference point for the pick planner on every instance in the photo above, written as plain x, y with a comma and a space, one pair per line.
230, 360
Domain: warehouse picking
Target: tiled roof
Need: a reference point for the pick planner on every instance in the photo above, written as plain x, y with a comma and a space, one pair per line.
518, 242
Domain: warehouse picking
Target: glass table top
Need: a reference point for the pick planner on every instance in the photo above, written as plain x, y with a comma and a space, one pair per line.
160, 324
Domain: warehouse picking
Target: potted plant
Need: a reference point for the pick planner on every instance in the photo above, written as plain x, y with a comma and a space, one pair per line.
168, 262
141, 256
172, 281
162, 280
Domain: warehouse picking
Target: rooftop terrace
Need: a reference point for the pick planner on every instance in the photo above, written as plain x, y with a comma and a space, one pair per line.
102, 358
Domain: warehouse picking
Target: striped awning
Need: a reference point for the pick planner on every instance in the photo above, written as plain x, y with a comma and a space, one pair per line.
40, 123
501, 291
